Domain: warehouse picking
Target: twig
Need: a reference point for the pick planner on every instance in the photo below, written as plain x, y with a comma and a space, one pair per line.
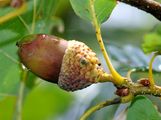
150, 6
34, 17
4, 3
15, 13
118, 78
25, 24
99, 106
151, 80
138, 89
129, 74
21, 93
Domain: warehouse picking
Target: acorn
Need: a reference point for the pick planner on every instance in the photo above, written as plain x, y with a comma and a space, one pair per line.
70, 64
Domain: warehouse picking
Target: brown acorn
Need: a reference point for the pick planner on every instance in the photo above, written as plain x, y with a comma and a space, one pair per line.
70, 64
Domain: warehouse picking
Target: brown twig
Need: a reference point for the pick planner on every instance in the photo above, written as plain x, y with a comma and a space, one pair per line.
149, 6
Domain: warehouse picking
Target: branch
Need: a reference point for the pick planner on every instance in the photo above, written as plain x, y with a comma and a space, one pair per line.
149, 6
138, 89
135, 88
118, 78
99, 106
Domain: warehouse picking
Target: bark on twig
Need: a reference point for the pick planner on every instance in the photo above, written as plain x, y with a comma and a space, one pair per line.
149, 6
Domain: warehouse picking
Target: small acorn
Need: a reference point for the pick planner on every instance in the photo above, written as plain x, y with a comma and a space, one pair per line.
70, 64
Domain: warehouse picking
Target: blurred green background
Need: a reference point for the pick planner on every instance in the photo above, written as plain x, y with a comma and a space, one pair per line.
122, 33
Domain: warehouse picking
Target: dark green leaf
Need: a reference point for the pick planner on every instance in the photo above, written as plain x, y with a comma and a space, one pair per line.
142, 108
103, 9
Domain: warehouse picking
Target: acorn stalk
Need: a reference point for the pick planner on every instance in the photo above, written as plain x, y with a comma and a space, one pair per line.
70, 64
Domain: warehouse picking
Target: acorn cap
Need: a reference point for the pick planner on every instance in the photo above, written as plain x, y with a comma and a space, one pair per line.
80, 67
70, 64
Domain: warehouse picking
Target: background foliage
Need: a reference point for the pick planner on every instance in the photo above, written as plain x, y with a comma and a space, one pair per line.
45, 101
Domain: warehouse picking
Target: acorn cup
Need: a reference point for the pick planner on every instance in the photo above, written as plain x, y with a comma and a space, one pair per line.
70, 64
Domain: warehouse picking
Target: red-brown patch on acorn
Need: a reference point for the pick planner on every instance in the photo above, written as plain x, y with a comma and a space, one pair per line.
43, 55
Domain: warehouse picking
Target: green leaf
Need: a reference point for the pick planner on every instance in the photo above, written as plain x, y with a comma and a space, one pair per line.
103, 9
7, 108
6, 10
10, 83
152, 43
9, 70
142, 108
45, 101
